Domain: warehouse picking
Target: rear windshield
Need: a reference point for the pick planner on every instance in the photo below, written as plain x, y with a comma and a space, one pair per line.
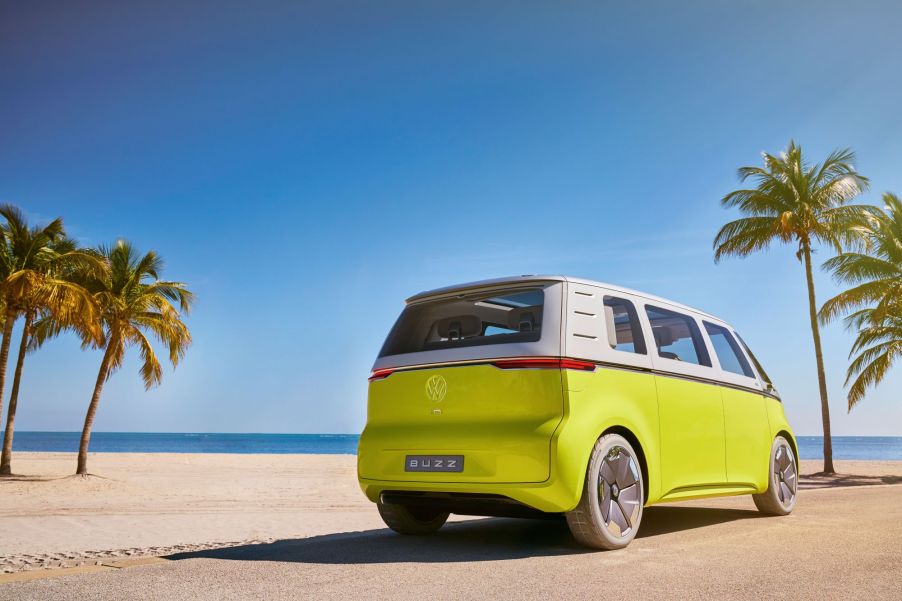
471, 320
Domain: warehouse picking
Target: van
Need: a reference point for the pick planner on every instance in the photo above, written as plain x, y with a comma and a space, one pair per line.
548, 395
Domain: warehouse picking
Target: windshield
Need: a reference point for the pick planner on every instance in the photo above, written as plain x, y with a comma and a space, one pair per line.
472, 320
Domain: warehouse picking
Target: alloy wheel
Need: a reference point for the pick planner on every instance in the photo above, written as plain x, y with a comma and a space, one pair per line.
785, 476
619, 493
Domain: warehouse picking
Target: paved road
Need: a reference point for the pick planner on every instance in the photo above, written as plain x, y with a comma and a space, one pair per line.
842, 542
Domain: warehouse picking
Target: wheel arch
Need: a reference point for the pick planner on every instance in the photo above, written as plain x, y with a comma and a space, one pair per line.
792, 441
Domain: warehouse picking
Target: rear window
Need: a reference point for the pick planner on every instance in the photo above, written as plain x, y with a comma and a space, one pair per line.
471, 320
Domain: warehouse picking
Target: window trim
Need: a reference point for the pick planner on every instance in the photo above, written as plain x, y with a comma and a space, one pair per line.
636, 328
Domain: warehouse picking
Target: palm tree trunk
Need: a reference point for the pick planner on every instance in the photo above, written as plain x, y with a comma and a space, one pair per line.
102, 375
818, 353
4, 352
6, 456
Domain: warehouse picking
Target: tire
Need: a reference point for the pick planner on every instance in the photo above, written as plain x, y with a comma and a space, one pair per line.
783, 481
411, 520
610, 510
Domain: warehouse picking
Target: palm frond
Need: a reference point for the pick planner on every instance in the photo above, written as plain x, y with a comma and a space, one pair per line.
43, 329
151, 370
869, 369
744, 236
133, 300
176, 292
852, 268
876, 275
868, 293
805, 202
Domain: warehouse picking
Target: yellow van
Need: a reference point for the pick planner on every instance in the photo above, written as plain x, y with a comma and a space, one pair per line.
554, 395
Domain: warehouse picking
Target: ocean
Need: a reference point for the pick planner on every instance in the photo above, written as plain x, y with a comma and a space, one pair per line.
810, 447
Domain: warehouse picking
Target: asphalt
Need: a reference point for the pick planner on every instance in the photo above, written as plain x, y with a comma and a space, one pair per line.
840, 542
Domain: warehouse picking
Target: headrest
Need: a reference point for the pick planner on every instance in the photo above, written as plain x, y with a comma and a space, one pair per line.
663, 336
527, 319
463, 326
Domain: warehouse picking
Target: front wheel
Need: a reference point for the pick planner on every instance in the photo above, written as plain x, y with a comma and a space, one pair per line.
783, 481
610, 510
411, 520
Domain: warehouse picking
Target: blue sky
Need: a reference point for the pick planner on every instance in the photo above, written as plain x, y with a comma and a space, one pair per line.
306, 166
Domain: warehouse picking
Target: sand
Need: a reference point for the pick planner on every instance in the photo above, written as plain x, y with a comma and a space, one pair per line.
239, 526
153, 503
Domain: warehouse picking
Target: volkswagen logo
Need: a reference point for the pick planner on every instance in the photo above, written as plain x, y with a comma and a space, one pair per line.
436, 388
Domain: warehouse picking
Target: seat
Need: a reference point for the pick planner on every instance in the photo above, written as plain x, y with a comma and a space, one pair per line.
459, 327
524, 320
664, 337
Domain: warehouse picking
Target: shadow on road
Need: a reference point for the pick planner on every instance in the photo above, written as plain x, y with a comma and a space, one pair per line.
822, 480
489, 539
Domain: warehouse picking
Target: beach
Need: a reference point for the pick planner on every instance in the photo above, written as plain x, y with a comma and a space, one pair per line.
143, 502
159, 526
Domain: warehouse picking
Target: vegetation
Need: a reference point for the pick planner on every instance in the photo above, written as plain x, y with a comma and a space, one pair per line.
111, 297
37, 267
133, 302
795, 202
874, 302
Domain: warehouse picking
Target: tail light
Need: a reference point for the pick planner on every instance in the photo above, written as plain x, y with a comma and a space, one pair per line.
380, 374
545, 363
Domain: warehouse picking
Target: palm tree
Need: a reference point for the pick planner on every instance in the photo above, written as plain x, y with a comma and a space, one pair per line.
803, 204
35, 262
133, 302
875, 299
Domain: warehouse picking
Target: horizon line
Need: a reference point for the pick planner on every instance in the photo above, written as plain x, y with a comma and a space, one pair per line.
353, 434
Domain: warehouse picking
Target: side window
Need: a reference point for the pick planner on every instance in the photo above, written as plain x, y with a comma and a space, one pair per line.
677, 336
727, 350
754, 359
622, 324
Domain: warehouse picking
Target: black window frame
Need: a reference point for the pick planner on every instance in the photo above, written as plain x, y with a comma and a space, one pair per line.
639, 346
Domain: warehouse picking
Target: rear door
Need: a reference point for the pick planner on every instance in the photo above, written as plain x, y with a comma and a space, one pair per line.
689, 403
444, 387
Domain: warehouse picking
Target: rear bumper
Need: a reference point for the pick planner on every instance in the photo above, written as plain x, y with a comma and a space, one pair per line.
555, 495
465, 504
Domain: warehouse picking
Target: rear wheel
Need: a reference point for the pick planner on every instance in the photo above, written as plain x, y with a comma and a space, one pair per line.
783, 481
610, 510
404, 519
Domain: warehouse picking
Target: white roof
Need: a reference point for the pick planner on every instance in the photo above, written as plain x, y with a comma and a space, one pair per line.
520, 279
